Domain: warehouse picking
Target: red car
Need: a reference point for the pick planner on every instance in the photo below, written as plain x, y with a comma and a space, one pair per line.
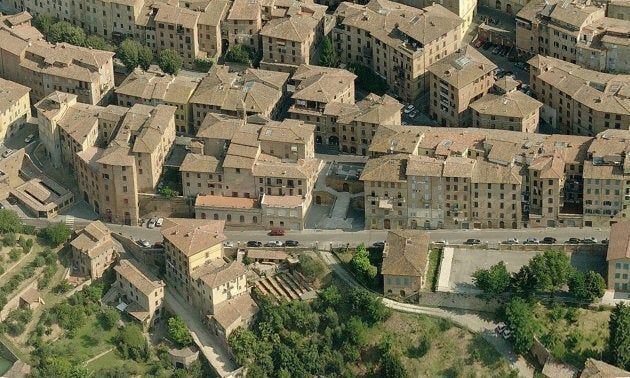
479, 42
277, 232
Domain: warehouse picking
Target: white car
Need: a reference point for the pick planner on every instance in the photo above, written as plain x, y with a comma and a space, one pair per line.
507, 333
408, 109
151, 223
29, 138
159, 222
7, 153
145, 243
413, 114
228, 244
274, 243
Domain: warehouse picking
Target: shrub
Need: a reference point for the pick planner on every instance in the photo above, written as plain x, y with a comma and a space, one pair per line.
9, 239
14, 254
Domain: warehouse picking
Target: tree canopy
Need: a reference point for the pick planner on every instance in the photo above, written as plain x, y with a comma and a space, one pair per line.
131, 343
361, 266
328, 57
619, 340
57, 233
520, 318
239, 54
552, 270
170, 62
495, 280
9, 221
178, 331
587, 287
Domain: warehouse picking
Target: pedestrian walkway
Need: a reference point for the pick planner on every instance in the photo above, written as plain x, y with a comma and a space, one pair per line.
70, 221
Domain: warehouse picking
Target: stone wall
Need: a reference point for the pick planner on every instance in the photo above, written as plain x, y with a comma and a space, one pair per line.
325, 198
337, 183
458, 300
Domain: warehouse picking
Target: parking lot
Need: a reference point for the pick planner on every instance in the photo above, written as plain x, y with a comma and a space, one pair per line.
466, 261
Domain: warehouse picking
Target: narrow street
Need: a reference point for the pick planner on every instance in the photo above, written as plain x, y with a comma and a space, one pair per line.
465, 319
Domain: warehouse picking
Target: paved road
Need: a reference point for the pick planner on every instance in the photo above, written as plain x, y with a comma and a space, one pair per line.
462, 318
209, 345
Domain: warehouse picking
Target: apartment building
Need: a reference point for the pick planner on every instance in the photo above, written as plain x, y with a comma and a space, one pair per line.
618, 257
291, 40
154, 88
271, 163
110, 178
93, 250
243, 23
176, 29
577, 100
396, 41
238, 94
457, 80
15, 107
576, 32
27, 59
405, 259
605, 46
421, 177
217, 282
141, 295
190, 244
619, 9
506, 108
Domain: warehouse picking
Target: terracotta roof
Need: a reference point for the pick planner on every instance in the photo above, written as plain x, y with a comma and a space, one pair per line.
235, 310
397, 139
268, 166
374, 109
219, 126
321, 84
93, 239
147, 85
462, 67
226, 202
282, 201
193, 235
390, 168
10, 93
215, 277
296, 28
213, 13
245, 10
424, 166
487, 172
599, 369
610, 172
405, 253
287, 131
558, 369
176, 15
619, 244
200, 163
512, 104
31, 296
457, 166
146, 283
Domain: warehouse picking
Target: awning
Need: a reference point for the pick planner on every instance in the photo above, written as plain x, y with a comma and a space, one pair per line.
122, 306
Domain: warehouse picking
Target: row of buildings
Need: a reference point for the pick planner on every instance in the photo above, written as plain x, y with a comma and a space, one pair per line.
577, 31
26, 58
195, 267
421, 177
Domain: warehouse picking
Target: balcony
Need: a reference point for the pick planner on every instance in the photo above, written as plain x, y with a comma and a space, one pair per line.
443, 85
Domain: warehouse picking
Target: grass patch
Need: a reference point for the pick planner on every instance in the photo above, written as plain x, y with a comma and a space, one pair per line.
432, 347
112, 358
433, 273
573, 334
88, 340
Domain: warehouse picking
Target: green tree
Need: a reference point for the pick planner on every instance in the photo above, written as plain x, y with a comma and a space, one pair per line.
370, 308
97, 42
361, 266
392, 366
43, 22
328, 58
57, 233
109, 318
520, 317
128, 52
9, 239
330, 296
367, 80
495, 280
523, 282
595, 285
64, 31
9, 221
619, 340
131, 343
145, 57
170, 62
311, 267
243, 344
238, 54
203, 64
552, 270
178, 331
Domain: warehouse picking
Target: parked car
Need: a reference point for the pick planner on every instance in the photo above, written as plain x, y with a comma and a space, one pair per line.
273, 243
159, 222
408, 109
413, 114
379, 244
291, 243
277, 232
496, 50
573, 241
6, 153
507, 333
604, 241
500, 328
255, 244
144, 243
29, 138
228, 244
441, 242
531, 241
151, 223
478, 43
158, 245
590, 240
472, 242
548, 240
510, 241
